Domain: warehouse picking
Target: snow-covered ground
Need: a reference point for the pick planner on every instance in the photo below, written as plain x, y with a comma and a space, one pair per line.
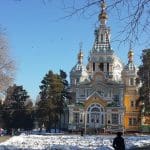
70, 142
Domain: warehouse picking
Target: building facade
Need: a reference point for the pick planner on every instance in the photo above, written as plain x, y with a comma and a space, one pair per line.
132, 118
104, 92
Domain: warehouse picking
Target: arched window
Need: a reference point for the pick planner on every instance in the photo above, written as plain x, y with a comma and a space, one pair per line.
131, 81
102, 38
107, 66
95, 109
93, 66
102, 119
101, 66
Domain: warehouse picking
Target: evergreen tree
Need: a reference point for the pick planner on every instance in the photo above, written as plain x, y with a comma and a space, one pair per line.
144, 76
64, 95
16, 111
1, 111
51, 104
63, 76
29, 115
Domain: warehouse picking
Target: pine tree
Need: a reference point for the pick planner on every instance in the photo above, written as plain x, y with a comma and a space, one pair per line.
29, 115
16, 111
144, 75
51, 104
65, 95
1, 111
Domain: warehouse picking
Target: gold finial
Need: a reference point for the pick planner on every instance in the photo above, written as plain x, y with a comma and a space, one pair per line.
103, 5
130, 55
80, 54
103, 15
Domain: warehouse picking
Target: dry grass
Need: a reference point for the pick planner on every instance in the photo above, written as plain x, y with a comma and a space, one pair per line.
4, 138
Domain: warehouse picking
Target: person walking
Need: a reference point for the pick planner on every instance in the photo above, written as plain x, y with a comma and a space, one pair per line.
118, 142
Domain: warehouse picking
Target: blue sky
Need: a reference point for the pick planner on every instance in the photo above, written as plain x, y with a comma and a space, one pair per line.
39, 41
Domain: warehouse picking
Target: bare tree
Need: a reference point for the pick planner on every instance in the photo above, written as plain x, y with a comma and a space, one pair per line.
7, 65
135, 15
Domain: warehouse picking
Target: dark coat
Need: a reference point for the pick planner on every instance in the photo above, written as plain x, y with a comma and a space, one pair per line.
118, 143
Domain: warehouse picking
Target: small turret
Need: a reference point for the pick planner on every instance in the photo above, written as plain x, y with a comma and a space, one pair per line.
79, 72
129, 72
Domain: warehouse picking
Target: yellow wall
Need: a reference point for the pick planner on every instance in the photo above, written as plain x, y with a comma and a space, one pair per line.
131, 112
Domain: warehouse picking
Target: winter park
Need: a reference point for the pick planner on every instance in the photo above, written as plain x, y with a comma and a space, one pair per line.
71, 142
74, 75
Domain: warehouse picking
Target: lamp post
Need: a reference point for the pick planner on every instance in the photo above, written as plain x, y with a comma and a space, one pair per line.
95, 123
85, 121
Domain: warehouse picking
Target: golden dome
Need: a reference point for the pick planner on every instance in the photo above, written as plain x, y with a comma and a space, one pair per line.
103, 15
130, 53
80, 54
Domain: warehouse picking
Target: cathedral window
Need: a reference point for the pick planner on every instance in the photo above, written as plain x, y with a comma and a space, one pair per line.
76, 117
97, 120
107, 67
77, 80
116, 99
115, 119
97, 105
109, 93
92, 105
132, 104
102, 38
81, 118
136, 104
131, 81
82, 92
95, 109
131, 67
132, 121
101, 66
87, 118
102, 119
93, 66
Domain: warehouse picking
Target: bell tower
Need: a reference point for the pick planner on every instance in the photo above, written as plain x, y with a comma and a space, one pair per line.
102, 58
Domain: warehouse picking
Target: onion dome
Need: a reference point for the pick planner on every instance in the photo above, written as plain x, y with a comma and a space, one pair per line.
130, 65
79, 71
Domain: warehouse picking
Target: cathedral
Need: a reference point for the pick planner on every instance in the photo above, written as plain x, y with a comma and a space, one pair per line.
104, 91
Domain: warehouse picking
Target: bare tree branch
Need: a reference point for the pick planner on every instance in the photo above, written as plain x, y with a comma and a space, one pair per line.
136, 16
7, 65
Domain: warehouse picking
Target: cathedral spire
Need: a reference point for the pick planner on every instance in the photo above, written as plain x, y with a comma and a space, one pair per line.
80, 55
103, 15
130, 55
